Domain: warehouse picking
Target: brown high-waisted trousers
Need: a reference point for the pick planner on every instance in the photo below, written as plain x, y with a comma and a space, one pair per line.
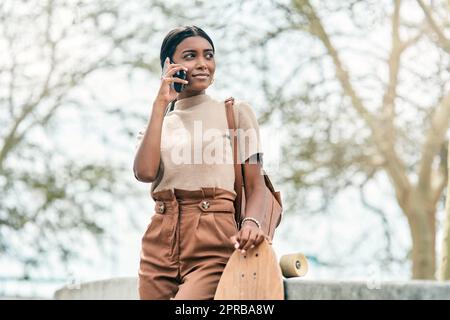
187, 244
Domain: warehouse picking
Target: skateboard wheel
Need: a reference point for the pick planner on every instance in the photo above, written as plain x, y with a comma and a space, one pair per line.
294, 265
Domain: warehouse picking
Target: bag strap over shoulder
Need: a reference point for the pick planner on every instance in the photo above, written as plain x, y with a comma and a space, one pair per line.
238, 168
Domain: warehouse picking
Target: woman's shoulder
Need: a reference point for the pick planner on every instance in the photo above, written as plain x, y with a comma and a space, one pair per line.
244, 110
244, 113
241, 107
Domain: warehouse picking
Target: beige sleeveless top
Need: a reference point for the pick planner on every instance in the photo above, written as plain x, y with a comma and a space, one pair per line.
196, 149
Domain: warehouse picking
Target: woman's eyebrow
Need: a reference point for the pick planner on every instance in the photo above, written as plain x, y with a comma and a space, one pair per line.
192, 50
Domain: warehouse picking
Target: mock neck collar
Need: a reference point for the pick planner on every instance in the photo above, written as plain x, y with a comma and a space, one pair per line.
191, 101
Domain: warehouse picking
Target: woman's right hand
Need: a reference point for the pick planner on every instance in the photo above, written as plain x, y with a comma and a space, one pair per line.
166, 92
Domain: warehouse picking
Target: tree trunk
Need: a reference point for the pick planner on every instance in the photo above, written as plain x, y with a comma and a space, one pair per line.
421, 218
444, 270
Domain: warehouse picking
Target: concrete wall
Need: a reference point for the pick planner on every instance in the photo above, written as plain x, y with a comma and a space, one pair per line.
299, 289
109, 289
295, 288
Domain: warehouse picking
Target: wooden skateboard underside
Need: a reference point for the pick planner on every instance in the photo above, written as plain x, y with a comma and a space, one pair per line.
255, 275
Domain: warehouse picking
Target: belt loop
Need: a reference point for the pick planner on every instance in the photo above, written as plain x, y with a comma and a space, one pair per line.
214, 193
203, 193
173, 196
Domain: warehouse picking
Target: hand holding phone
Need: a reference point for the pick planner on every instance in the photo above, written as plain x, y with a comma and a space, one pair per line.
179, 74
171, 84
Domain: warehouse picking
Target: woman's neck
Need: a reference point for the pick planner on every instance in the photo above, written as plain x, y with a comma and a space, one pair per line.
190, 93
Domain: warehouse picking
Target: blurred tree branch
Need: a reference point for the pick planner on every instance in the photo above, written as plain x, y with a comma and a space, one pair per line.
443, 41
346, 125
50, 50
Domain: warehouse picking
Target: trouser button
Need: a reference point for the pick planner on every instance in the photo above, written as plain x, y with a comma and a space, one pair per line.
205, 204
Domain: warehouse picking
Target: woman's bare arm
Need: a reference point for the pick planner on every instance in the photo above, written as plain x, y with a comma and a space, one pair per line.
255, 191
148, 156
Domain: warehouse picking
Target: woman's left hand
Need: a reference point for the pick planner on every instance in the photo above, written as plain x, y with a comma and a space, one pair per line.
248, 237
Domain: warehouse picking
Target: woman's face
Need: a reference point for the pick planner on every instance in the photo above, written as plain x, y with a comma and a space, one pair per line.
196, 54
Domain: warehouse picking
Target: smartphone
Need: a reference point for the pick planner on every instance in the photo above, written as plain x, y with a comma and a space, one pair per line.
182, 75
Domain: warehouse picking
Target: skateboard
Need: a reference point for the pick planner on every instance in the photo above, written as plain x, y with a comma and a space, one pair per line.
256, 275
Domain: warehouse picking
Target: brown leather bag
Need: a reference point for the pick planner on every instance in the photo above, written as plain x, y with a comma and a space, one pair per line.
273, 207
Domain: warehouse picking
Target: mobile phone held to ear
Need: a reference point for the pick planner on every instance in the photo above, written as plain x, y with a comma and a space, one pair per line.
182, 75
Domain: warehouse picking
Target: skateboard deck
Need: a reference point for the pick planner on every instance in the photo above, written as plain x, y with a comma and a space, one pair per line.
255, 275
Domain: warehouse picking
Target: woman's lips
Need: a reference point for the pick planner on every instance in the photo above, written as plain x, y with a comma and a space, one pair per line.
200, 77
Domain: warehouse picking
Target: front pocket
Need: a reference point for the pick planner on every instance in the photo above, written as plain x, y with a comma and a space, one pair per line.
154, 227
225, 224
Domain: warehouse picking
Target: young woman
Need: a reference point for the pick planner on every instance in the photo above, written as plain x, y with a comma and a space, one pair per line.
193, 232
